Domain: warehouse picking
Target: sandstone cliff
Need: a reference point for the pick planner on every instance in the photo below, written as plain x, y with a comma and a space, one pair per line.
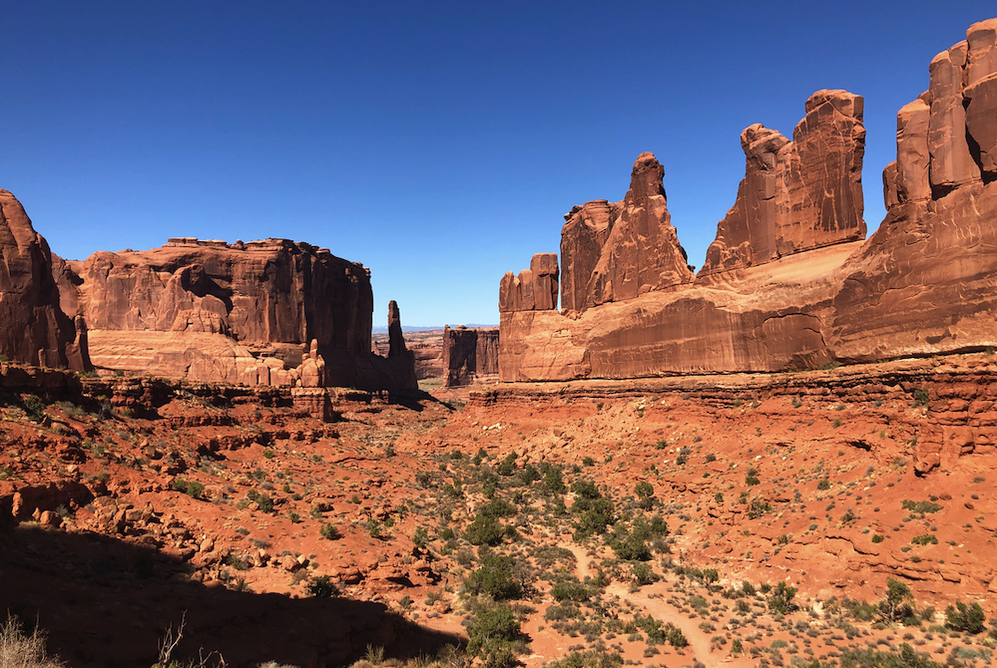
614, 252
789, 284
796, 195
469, 354
35, 330
232, 313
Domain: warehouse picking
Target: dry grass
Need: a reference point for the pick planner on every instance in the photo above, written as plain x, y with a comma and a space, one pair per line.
19, 650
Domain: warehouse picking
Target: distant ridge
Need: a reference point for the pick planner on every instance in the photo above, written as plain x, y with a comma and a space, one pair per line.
419, 328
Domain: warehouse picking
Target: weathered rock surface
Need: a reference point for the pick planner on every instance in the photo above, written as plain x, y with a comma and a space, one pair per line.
793, 292
469, 354
796, 195
35, 330
534, 289
235, 313
613, 252
401, 360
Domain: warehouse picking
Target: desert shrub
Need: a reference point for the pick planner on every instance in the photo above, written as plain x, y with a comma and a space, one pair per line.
924, 539
781, 599
553, 481
631, 548
896, 605
495, 578
824, 484
191, 488
592, 658
484, 530
965, 618
594, 510
262, 500
322, 587
329, 531
921, 397
498, 508
907, 657
491, 633
921, 507
570, 590
643, 574
20, 650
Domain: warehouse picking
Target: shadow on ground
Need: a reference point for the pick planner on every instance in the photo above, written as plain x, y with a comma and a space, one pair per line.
106, 602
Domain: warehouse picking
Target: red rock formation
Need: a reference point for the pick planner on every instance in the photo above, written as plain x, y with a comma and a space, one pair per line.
400, 360
535, 289
613, 252
239, 313
796, 195
923, 284
35, 330
469, 354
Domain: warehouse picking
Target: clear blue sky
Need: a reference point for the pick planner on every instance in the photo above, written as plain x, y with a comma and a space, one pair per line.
437, 143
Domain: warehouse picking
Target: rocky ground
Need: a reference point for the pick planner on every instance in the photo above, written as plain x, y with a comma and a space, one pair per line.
744, 520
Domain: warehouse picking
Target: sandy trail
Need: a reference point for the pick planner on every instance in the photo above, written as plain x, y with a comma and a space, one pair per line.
659, 608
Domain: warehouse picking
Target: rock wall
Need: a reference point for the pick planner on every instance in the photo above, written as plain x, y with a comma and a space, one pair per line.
777, 296
469, 354
534, 289
35, 330
796, 195
232, 313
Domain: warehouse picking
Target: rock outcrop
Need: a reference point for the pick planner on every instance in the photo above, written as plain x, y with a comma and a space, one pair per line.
469, 354
796, 195
534, 289
35, 330
613, 252
789, 284
269, 312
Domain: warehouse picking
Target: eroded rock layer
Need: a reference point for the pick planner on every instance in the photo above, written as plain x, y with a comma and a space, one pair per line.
796, 195
235, 313
614, 252
35, 330
789, 284
469, 354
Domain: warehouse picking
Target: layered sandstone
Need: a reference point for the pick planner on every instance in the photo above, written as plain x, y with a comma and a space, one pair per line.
242, 313
35, 330
534, 289
469, 354
796, 195
789, 284
617, 251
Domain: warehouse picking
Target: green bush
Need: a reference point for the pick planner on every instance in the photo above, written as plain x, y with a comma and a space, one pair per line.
329, 532
262, 500
495, 578
491, 633
907, 657
484, 530
924, 539
965, 618
570, 590
322, 587
921, 507
781, 599
896, 604
191, 488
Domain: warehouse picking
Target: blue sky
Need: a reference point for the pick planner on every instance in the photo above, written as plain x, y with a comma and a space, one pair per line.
437, 143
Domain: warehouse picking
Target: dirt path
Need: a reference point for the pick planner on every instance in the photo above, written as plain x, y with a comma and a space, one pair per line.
659, 608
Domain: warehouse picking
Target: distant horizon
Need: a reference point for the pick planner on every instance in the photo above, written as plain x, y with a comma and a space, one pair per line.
439, 145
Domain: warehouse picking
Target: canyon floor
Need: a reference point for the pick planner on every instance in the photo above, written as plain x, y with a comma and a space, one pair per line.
738, 520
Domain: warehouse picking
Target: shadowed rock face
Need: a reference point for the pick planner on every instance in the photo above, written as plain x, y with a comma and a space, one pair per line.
231, 313
618, 251
796, 195
788, 283
35, 330
469, 354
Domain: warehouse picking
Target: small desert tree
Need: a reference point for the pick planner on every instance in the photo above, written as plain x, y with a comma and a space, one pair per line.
896, 605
